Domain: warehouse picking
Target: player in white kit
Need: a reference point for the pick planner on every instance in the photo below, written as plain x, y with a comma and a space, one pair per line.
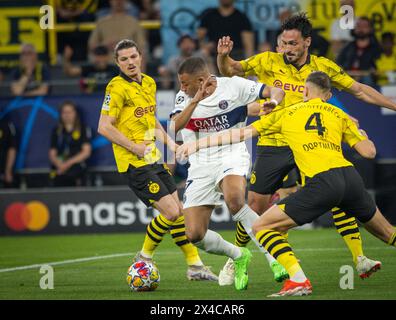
204, 106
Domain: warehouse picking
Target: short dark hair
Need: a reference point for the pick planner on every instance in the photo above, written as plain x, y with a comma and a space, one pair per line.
320, 79
192, 65
299, 22
125, 44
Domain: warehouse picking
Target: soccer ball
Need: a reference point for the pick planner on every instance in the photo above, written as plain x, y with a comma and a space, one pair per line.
143, 276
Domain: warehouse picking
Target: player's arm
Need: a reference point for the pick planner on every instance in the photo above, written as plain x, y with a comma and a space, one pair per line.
107, 129
227, 66
275, 95
365, 148
227, 137
180, 120
370, 95
164, 136
358, 139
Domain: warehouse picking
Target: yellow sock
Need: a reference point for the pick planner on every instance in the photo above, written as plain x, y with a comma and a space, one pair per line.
280, 249
178, 233
392, 240
155, 232
241, 237
348, 228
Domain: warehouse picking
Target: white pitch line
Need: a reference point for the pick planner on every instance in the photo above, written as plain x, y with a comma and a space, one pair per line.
57, 263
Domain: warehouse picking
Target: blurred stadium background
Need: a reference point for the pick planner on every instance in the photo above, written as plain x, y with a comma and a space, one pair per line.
73, 47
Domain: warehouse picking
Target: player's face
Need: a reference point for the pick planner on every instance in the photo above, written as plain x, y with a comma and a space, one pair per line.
294, 45
68, 114
129, 61
189, 84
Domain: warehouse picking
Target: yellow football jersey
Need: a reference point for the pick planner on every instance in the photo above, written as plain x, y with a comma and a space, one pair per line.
133, 105
274, 70
314, 131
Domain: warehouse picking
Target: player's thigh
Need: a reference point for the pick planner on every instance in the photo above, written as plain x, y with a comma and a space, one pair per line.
148, 186
274, 219
169, 207
319, 195
270, 168
357, 202
196, 220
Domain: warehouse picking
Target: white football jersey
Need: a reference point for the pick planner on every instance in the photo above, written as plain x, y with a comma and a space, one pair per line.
226, 108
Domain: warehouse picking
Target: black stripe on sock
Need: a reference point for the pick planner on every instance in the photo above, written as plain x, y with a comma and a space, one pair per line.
182, 242
177, 226
394, 241
272, 236
162, 222
338, 211
342, 219
350, 231
178, 234
154, 239
348, 224
160, 225
273, 245
281, 251
153, 230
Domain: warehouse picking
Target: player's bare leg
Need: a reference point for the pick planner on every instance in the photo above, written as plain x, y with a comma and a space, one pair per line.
197, 222
269, 230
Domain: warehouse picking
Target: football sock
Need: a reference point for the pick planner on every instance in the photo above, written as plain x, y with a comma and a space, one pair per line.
241, 237
155, 232
392, 240
347, 227
212, 242
246, 217
280, 249
178, 233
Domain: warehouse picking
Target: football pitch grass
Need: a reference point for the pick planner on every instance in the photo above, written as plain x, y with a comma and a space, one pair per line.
94, 267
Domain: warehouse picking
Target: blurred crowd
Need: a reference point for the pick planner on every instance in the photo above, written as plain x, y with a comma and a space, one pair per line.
87, 56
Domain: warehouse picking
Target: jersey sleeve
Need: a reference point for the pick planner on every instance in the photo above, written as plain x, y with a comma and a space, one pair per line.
248, 90
269, 124
54, 139
180, 103
350, 132
339, 78
253, 66
113, 101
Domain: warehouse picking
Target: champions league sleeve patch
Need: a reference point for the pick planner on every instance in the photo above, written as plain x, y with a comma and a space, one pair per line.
179, 100
106, 102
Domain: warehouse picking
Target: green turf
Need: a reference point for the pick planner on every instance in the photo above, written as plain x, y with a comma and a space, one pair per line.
321, 252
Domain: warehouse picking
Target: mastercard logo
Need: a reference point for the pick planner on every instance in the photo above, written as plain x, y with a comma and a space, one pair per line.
33, 216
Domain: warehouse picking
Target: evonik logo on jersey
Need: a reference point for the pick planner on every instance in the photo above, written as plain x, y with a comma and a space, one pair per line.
289, 86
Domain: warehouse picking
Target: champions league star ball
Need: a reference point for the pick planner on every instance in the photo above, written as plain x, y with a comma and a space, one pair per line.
143, 276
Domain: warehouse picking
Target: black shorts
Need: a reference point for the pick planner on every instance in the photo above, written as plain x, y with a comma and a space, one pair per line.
292, 179
272, 165
339, 187
150, 183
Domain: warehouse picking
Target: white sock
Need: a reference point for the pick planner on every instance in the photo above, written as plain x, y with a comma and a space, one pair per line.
299, 276
214, 243
247, 217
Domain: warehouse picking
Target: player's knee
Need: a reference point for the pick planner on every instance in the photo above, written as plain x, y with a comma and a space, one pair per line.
258, 205
172, 212
194, 235
235, 202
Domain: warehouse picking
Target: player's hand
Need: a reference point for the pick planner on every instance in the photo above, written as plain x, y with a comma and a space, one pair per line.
185, 150
141, 149
268, 107
224, 46
206, 88
63, 167
363, 133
